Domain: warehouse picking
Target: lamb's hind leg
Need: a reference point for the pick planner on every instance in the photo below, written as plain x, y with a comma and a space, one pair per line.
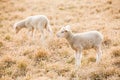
41, 28
99, 54
42, 36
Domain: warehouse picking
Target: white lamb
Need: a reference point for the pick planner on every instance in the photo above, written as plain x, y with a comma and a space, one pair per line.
33, 23
82, 41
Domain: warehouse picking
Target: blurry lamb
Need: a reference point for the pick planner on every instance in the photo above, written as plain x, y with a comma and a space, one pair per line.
33, 23
82, 41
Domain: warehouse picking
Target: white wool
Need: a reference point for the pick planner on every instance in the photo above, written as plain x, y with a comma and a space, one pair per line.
82, 41
33, 23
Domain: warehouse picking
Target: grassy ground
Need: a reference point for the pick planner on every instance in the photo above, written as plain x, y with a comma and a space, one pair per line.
24, 59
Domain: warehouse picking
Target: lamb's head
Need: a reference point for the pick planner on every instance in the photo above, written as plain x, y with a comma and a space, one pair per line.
64, 32
16, 27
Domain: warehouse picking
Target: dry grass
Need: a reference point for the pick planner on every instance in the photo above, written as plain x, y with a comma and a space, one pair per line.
116, 52
41, 54
1, 44
24, 59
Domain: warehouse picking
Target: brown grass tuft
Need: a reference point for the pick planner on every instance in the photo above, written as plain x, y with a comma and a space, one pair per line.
104, 74
109, 2
1, 25
41, 54
22, 64
6, 78
7, 37
91, 59
1, 44
26, 52
107, 41
6, 61
71, 59
116, 52
116, 62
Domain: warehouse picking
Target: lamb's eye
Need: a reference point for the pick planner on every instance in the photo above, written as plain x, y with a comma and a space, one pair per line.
62, 32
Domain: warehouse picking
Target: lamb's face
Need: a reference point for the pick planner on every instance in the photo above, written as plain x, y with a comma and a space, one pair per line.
63, 33
16, 28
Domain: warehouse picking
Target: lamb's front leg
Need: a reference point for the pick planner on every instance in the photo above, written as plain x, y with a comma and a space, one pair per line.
78, 57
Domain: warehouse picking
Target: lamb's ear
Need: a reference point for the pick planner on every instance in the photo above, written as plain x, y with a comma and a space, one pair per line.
68, 28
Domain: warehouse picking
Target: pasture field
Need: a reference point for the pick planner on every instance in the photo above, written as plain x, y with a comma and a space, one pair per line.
22, 58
